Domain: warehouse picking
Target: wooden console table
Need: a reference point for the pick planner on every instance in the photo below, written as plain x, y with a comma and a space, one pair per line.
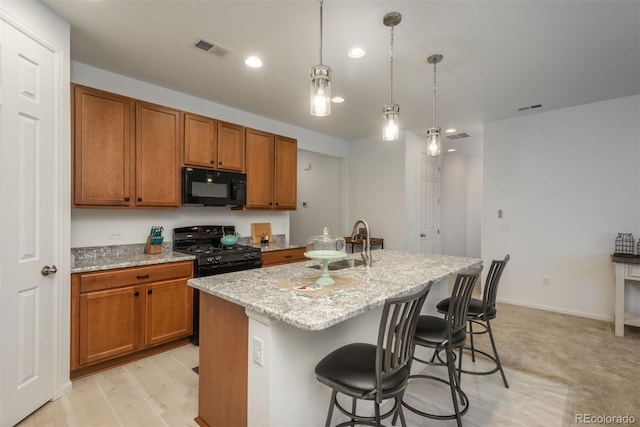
375, 241
627, 271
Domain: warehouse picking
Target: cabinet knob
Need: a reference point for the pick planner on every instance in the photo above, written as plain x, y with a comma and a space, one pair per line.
126, 199
139, 199
213, 162
136, 294
150, 291
219, 163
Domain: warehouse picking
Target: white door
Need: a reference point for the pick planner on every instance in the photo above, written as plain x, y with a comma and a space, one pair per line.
429, 205
27, 184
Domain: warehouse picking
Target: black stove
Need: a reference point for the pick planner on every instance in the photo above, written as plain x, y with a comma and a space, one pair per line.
212, 257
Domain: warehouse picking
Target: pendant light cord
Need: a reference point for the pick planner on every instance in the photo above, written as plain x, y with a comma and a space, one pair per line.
321, 2
391, 64
434, 94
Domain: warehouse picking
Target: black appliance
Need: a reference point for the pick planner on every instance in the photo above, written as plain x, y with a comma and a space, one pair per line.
212, 257
207, 187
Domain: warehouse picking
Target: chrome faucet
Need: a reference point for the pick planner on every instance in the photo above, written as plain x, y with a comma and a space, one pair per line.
366, 244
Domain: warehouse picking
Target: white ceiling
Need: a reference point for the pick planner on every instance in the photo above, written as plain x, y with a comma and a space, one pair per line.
498, 56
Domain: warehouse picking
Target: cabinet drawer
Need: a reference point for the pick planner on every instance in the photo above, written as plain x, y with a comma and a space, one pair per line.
633, 271
130, 276
283, 256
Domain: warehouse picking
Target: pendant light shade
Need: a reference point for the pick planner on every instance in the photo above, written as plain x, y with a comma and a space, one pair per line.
433, 133
391, 111
320, 89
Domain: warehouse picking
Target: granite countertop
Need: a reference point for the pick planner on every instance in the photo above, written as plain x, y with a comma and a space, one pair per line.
394, 273
97, 258
277, 246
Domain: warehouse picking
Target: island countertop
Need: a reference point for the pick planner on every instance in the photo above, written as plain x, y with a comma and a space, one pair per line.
268, 290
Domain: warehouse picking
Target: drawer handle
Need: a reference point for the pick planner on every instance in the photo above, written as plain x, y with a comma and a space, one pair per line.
287, 256
144, 276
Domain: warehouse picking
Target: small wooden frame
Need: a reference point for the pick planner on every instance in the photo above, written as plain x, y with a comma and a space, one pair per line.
152, 249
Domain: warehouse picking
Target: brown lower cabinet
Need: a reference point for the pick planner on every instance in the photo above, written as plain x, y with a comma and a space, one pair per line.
124, 314
283, 256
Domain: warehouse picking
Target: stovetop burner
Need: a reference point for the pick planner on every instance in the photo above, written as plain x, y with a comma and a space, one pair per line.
212, 257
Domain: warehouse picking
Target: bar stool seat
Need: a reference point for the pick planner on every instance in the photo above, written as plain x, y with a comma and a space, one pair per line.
375, 372
480, 314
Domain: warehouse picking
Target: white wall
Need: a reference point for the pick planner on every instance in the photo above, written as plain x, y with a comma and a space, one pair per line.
377, 188
320, 188
460, 204
568, 181
91, 227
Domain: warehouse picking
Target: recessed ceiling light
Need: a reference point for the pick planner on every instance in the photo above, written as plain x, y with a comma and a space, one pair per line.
356, 52
253, 62
450, 130
337, 99
451, 150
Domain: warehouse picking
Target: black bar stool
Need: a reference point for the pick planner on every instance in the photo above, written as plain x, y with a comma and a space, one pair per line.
448, 335
480, 314
375, 372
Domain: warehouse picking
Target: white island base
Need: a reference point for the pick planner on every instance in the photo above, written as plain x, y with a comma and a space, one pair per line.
282, 390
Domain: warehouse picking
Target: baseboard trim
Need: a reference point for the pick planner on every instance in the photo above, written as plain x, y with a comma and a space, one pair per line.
557, 310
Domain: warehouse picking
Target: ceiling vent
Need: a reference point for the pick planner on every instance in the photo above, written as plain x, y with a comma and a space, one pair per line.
459, 135
213, 48
530, 107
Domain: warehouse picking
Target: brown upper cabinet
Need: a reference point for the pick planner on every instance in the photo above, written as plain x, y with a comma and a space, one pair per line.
209, 143
271, 171
126, 153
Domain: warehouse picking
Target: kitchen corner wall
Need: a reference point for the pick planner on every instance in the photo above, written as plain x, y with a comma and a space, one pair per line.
567, 181
92, 227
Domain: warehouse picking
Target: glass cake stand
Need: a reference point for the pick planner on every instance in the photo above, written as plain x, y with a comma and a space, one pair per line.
325, 256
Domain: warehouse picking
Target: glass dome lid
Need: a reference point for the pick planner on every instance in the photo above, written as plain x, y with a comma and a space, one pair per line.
326, 242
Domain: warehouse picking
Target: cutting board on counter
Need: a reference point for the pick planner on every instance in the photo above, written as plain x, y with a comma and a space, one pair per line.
258, 229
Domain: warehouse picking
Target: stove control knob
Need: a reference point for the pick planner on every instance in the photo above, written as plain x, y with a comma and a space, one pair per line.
218, 257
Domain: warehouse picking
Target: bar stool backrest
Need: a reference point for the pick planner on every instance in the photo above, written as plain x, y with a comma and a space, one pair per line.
491, 284
460, 298
395, 336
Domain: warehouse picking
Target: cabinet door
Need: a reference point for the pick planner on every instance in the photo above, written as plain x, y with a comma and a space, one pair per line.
200, 141
260, 169
169, 311
231, 147
102, 148
110, 323
158, 143
286, 173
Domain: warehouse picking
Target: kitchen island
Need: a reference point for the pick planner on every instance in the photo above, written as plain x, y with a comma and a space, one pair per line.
261, 339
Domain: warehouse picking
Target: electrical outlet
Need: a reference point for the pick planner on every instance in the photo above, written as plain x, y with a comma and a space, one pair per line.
546, 281
115, 235
258, 355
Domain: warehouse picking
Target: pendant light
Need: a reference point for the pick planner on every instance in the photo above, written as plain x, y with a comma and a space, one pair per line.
391, 111
320, 90
433, 133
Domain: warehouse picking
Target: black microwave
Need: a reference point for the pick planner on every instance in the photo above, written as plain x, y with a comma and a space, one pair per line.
206, 187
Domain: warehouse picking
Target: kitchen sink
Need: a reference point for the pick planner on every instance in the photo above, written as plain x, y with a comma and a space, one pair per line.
339, 265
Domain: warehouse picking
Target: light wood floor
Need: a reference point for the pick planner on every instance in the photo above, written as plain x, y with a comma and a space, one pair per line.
162, 391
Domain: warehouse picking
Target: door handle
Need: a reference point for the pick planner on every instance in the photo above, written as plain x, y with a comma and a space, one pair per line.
423, 235
46, 270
